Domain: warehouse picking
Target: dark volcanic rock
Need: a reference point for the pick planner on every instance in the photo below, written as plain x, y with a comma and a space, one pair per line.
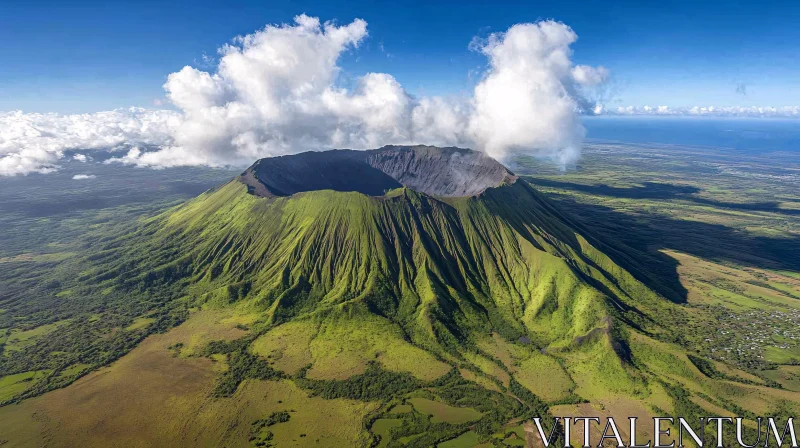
427, 169
340, 170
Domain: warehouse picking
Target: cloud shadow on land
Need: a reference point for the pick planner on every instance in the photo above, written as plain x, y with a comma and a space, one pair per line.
636, 242
656, 190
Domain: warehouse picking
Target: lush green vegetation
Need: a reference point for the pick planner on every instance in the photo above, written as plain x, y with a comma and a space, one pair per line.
242, 365
444, 321
263, 437
56, 310
375, 384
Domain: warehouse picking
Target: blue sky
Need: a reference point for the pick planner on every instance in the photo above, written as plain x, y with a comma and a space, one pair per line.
71, 57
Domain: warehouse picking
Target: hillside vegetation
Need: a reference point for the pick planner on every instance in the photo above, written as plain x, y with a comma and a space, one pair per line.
434, 318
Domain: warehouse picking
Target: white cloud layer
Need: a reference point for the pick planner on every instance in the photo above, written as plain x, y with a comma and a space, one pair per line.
36, 142
275, 92
709, 111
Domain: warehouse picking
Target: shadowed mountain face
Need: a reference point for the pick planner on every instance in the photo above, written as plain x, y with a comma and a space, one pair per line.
449, 172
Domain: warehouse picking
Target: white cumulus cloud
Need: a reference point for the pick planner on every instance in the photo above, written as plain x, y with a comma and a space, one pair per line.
83, 176
590, 76
530, 97
276, 92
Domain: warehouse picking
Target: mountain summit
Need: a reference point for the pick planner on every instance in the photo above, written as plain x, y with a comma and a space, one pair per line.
448, 172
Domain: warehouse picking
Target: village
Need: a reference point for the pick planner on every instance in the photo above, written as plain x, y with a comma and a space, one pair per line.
755, 339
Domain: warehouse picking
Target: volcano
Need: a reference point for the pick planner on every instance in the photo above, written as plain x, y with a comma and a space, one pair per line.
402, 296
437, 243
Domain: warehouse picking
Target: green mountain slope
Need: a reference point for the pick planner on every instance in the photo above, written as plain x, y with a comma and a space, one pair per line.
420, 277
442, 269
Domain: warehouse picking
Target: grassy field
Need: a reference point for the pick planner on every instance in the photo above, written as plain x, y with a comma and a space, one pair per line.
18, 339
11, 385
467, 440
152, 397
441, 412
382, 427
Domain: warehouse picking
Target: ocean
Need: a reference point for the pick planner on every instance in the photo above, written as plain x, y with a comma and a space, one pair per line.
753, 135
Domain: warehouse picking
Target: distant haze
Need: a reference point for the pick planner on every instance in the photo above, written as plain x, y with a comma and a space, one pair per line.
755, 135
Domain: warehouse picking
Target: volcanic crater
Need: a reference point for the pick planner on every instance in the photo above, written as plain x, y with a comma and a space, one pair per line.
445, 172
